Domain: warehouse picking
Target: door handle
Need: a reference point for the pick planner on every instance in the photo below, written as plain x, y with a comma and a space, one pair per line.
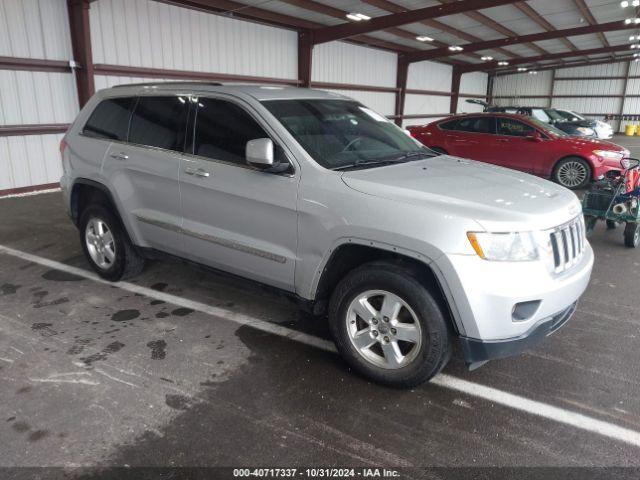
503, 140
119, 156
199, 172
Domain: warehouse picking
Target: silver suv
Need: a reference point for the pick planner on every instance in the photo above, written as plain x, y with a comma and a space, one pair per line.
405, 251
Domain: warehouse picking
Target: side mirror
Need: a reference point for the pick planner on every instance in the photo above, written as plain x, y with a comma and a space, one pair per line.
260, 153
629, 163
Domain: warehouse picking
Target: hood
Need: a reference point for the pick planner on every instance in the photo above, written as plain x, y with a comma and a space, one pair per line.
499, 199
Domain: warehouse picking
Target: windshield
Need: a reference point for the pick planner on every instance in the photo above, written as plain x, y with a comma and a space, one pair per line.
554, 114
547, 128
342, 134
540, 114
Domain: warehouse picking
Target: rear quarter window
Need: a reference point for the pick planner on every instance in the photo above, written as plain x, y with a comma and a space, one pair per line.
110, 119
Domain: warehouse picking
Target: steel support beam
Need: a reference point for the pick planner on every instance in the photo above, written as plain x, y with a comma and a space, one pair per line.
81, 46
552, 56
346, 30
456, 75
305, 58
402, 72
503, 42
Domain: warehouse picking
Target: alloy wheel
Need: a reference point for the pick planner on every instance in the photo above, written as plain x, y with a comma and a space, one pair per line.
100, 243
384, 329
571, 174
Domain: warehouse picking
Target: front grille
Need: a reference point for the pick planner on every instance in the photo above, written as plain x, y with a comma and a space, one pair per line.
568, 243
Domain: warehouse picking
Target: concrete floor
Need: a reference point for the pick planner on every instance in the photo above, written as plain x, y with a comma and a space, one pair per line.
97, 375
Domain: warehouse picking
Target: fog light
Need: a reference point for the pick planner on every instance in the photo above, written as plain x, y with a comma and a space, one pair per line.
524, 310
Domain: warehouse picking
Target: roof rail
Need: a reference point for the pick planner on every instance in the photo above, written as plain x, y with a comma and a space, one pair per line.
155, 84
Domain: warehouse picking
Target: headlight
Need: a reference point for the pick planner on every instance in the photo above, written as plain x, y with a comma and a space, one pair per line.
504, 247
607, 154
585, 130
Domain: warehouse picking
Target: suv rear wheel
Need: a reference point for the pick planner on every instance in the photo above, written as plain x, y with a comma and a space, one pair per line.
388, 326
107, 246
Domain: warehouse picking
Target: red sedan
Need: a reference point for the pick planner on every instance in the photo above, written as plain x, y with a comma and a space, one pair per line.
522, 143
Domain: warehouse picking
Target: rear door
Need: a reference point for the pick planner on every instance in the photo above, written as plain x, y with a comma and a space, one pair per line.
237, 218
144, 171
473, 138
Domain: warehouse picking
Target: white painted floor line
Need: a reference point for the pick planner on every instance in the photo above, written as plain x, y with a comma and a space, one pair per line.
490, 394
30, 194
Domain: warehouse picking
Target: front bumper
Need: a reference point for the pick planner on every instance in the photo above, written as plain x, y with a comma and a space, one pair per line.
477, 351
485, 298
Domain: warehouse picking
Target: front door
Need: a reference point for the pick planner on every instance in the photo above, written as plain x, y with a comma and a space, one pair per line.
520, 149
235, 217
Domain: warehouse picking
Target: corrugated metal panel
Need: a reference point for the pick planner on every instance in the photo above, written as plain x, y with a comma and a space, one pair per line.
475, 82
145, 33
342, 62
523, 84
37, 97
605, 70
521, 101
30, 160
589, 105
426, 104
429, 76
589, 87
381, 102
35, 29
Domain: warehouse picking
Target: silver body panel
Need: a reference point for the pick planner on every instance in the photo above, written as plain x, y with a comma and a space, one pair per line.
281, 229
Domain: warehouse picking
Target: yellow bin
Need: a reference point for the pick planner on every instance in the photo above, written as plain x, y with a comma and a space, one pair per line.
630, 130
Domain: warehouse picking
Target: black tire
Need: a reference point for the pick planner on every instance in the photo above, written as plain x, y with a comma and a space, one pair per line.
127, 262
563, 166
435, 349
439, 150
611, 225
632, 234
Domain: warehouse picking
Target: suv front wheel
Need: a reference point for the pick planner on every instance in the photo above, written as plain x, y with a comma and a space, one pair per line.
107, 246
388, 326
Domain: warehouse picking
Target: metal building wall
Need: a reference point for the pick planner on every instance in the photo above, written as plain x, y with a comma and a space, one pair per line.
474, 83
341, 62
146, 33
428, 76
522, 89
595, 90
37, 29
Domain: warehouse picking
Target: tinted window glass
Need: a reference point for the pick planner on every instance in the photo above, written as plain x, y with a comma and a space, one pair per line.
508, 126
160, 122
476, 125
450, 125
110, 119
344, 134
223, 130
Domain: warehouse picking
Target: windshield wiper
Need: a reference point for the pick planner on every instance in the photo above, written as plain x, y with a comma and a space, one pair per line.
366, 163
405, 157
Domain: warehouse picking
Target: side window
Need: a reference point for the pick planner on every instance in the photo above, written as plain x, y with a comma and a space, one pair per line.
223, 130
160, 122
450, 125
514, 128
477, 125
110, 119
